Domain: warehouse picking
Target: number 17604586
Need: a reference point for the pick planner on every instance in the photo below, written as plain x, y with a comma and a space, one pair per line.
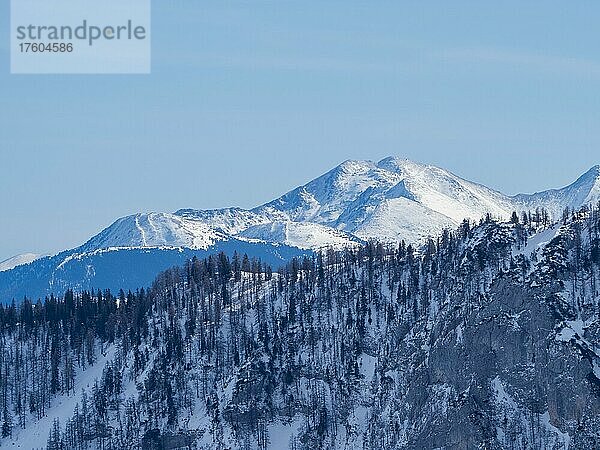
40, 47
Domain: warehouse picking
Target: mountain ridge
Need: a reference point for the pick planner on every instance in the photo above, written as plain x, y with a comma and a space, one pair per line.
393, 200
361, 199
369, 199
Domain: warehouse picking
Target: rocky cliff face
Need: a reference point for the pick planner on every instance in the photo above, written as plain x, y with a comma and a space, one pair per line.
515, 367
499, 378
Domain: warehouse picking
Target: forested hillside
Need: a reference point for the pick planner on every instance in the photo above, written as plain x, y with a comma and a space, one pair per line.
486, 337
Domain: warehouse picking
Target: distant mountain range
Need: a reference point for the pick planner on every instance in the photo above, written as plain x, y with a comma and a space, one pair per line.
392, 200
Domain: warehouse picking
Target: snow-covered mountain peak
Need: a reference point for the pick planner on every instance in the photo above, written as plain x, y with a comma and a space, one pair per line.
590, 181
390, 199
593, 172
595, 190
345, 181
399, 164
353, 166
325, 198
586, 182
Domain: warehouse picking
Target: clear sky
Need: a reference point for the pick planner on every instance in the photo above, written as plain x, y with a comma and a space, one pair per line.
250, 99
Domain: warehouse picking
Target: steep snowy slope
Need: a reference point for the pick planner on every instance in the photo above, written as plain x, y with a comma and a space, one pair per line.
155, 230
444, 192
400, 219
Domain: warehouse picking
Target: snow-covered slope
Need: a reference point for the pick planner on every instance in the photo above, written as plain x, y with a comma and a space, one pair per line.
303, 235
444, 192
155, 230
18, 260
324, 199
227, 220
400, 219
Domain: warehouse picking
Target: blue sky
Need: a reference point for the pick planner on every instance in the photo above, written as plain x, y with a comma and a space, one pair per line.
250, 99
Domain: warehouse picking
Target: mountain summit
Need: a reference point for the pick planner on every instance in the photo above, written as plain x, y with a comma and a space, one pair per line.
394, 199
